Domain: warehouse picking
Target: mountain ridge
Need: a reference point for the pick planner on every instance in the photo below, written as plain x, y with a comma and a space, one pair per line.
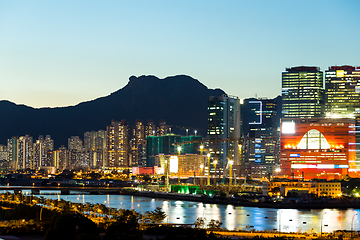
179, 100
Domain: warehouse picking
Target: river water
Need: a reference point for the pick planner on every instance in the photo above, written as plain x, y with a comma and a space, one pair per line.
232, 217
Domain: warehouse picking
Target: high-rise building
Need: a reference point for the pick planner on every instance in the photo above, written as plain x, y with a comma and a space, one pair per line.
12, 148
302, 92
4, 163
137, 139
150, 129
118, 144
342, 91
95, 147
24, 160
261, 139
168, 145
75, 143
160, 144
162, 129
61, 158
43, 152
224, 128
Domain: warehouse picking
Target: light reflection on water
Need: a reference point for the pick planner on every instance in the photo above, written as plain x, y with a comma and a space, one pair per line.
233, 217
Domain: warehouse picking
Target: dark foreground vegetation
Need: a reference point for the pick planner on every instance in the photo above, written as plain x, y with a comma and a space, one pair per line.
58, 220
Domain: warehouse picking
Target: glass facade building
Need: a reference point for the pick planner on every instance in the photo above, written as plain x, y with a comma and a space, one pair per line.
302, 92
224, 128
168, 145
342, 91
260, 146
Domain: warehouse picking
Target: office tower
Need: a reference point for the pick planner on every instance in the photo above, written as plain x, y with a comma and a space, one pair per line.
224, 128
302, 92
342, 96
118, 147
342, 91
137, 139
150, 129
24, 160
12, 148
261, 138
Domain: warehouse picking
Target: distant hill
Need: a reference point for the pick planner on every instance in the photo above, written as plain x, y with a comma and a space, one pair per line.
180, 100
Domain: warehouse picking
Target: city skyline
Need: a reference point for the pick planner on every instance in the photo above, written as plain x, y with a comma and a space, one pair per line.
61, 54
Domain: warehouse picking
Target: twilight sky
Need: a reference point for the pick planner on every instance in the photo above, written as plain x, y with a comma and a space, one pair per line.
61, 53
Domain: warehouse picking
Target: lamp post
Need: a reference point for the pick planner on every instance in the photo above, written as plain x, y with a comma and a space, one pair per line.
124, 205
179, 151
166, 175
279, 222
352, 225
215, 162
321, 224
201, 163
201, 174
231, 162
208, 165
142, 214
108, 202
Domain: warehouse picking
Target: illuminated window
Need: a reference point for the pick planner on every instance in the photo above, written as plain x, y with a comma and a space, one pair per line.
313, 139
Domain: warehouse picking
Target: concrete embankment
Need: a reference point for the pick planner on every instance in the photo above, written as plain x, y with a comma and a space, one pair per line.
318, 204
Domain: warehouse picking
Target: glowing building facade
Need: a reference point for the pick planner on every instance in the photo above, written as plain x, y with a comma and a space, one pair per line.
118, 147
317, 148
342, 91
302, 92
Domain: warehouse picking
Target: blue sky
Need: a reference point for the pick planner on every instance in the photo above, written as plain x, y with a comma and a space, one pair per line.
60, 53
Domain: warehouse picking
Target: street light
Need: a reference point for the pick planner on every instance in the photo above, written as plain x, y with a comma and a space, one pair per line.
179, 151
215, 162
231, 162
208, 165
124, 205
201, 163
201, 174
167, 175
142, 214
279, 222
108, 206
321, 224
352, 226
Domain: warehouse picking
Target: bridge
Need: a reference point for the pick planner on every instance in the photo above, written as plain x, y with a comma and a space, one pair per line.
36, 190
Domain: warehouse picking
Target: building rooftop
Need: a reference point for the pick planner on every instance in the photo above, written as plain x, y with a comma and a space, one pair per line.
302, 68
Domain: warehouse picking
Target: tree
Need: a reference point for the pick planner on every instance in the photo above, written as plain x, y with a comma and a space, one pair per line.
214, 224
125, 228
72, 227
156, 216
200, 222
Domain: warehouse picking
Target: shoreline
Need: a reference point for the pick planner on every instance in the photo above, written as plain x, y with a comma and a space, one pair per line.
237, 202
